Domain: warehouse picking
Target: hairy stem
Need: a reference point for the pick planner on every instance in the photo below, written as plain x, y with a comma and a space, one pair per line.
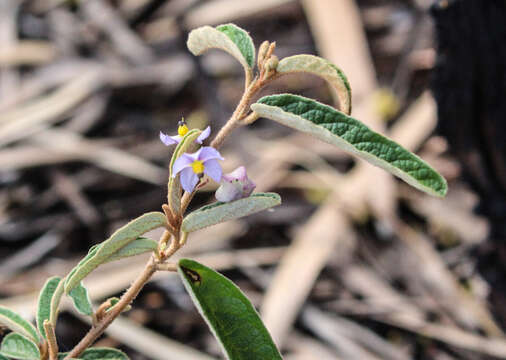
125, 300
51, 340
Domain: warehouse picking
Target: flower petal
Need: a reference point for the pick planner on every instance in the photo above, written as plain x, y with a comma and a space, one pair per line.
213, 169
188, 179
207, 153
169, 140
238, 174
205, 134
182, 162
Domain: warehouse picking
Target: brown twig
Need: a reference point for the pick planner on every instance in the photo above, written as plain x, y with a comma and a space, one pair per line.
51, 340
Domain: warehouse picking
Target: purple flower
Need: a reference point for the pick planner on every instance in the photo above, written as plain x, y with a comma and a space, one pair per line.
181, 131
235, 185
192, 166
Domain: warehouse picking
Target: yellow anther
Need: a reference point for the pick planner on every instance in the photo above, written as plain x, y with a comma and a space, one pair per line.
182, 130
198, 167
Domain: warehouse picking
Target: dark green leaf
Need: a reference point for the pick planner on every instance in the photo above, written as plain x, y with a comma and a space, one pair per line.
242, 40
17, 346
220, 212
45, 300
229, 314
336, 128
16, 323
99, 353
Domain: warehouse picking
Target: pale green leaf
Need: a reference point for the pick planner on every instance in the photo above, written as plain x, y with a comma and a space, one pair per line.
323, 68
81, 300
186, 145
336, 128
17, 346
220, 212
229, 314
46, 295
136, 247
121, 238
16, 323
229, 38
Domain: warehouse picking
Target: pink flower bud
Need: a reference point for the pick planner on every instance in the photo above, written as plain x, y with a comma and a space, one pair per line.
235, 185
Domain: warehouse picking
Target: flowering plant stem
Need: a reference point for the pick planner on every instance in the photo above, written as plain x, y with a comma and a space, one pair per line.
158, 263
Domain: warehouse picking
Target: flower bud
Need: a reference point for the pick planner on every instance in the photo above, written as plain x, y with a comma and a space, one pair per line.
234, 186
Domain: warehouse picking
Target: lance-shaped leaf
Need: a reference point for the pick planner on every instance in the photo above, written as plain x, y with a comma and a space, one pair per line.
229, 314
229, 38
99, 353
44, 308
138, 246
187, 144
17, 346
81, 300
336, 128
220, 212
16, 323
323, 68
118, 240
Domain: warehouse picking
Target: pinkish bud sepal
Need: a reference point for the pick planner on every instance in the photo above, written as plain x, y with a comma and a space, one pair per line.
234, 186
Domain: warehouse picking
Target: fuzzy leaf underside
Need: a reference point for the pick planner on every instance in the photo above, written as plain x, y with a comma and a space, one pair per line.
323, 68
17, 346
336, 128
229, 314
229, 38
16, 323
45, 302
187, 144
81, 300
99, 353
117, 241
220, 212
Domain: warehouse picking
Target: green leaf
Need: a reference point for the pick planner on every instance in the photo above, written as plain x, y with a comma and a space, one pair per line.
17, 346
229, 314
187, 144
229, 38
336, 128
16, 323
323, 68
242, 40
3, 357
81, 300
99, 353
220, 212
46, 295
138, 246
121, 238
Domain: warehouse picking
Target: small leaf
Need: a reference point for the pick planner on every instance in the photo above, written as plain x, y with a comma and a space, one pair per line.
323, 68
81, 300
121, 238
136, 247
229, 38
19, 347
45, 300
242, 40
220, 212
187, 144
230, 315
336, 128
16, 323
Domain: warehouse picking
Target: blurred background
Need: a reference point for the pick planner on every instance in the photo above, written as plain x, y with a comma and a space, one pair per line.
355, 264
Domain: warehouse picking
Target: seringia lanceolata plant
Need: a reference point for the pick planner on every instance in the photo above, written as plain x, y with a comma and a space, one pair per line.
229, 314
